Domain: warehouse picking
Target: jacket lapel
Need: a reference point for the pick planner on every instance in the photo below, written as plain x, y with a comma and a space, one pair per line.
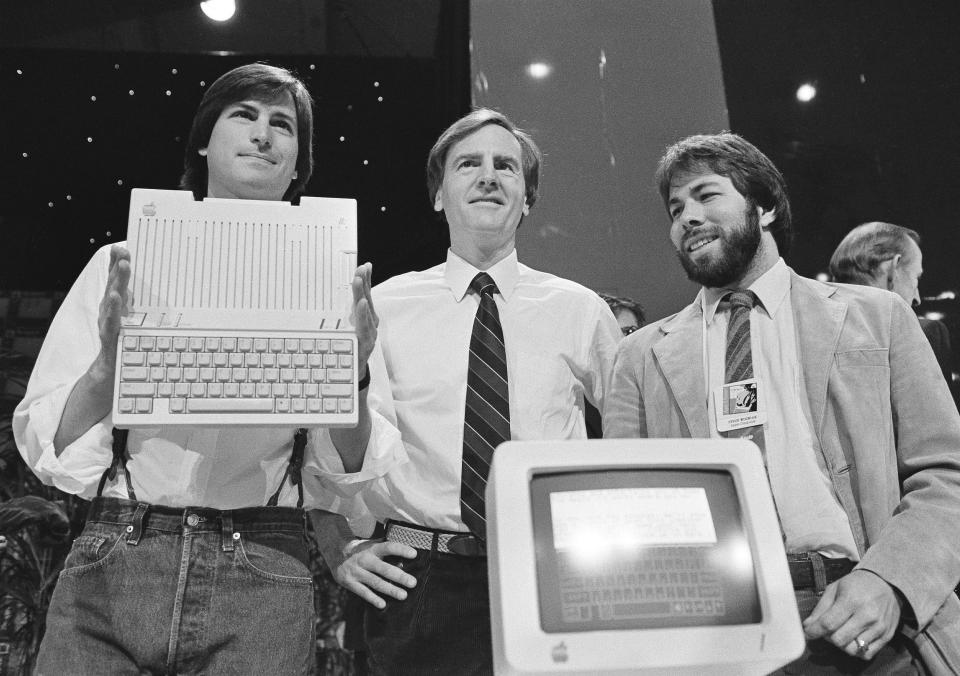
680, 355
818, 320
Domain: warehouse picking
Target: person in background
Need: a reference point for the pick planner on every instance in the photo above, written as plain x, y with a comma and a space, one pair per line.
859, 436
630, 316
475, 351
193, 558
888, 256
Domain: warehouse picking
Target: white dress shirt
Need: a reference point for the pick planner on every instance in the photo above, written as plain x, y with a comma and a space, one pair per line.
810, 513
560, 341
222, 468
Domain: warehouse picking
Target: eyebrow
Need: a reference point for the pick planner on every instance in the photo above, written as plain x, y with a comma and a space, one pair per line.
280, 112
479, 156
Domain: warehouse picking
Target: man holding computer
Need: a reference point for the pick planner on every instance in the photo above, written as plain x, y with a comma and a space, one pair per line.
859, 435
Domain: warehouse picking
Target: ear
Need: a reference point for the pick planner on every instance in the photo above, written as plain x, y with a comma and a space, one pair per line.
294, 176
885, 271
526, 208
438, 202
766, 217
202, 152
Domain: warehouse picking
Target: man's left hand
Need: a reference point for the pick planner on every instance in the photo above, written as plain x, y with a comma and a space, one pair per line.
365, 318
858, 613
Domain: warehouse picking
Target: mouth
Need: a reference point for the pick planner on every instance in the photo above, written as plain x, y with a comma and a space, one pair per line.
487, 200
698, 242
259, 156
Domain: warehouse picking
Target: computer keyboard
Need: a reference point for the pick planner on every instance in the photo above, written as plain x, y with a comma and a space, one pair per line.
659, 582
236, 377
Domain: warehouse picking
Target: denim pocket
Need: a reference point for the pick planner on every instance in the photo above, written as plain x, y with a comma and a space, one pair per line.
281, 557
94, 547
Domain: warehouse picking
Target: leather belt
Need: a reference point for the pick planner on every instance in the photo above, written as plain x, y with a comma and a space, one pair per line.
803, 569
446, 542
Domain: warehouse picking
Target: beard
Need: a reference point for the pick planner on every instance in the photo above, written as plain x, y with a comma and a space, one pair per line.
738, 246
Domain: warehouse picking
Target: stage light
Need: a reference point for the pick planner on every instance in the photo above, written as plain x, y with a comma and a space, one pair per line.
806, 92
937, 316
538, 70
219, 10
823, 277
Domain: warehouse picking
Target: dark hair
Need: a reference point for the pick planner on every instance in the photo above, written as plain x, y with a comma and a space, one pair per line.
859, 255
618, 303
531, 157
260, 82
751, 172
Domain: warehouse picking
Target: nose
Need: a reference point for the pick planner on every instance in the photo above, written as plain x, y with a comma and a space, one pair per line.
692, 215
260, 134
487, 178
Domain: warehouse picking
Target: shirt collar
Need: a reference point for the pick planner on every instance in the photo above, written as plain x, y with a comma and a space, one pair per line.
771, 288
458, 274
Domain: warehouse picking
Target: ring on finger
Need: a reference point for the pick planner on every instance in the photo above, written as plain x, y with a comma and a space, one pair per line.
862, 646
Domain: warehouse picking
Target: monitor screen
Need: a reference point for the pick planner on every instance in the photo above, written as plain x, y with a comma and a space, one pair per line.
637, 556
646, 548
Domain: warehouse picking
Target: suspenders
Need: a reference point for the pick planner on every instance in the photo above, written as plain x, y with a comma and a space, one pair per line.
121, 455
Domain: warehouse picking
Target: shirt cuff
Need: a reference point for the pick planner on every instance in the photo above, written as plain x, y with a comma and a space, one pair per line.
78, 469
385, 450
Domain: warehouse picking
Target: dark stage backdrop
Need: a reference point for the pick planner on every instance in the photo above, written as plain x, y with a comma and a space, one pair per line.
85, 127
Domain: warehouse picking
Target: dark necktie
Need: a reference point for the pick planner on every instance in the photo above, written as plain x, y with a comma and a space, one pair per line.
739, 360
487, 412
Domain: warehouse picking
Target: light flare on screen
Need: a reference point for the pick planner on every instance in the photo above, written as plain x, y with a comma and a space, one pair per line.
592, 525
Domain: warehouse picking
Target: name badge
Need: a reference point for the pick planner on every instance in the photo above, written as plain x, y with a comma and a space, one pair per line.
739, 405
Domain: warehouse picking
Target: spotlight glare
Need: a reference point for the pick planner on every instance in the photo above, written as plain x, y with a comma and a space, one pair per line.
219, 10
538, 70
806, 92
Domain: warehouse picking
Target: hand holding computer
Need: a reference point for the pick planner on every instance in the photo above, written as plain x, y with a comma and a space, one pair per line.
364, 571
858, 613
364, 317
112, 308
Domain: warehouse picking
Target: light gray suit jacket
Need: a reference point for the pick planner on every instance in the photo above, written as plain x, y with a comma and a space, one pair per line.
880, 414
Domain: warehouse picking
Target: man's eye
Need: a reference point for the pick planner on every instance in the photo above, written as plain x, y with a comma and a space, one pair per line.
507, 166
241, 112
283, 124
467, 163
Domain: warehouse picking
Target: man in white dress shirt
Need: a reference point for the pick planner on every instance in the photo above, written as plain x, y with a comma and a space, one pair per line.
425, 584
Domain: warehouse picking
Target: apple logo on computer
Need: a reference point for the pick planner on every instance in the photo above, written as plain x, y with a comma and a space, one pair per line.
559, 652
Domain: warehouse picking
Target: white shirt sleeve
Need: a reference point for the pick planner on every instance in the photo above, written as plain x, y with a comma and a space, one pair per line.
71, 345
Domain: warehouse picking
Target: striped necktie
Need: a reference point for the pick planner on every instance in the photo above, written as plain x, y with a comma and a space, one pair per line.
739, 360
487, 410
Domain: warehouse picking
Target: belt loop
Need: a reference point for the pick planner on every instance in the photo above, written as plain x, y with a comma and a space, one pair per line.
434, 544
819, 572
135, 529
226, 527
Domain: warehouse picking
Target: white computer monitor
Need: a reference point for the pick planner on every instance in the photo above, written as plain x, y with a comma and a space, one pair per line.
637, 556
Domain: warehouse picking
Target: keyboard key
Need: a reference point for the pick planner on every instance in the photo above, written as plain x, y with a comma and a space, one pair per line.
307, 344
346, 405
271, 375
174, 374
215, 390
196, 344
311, 390
203, 359
179, 343
236, 359
134, 358
283, 405
292, 345
154, 358
329, 405
303, 375
269, 359
295, 390
212, 344
299, 360
177, 405
263, 389
318, 375
190, 358
283, 360
223, 374
339, 376
130, 343
330, 361
313, 405
255, 375
144, 405
239, 375
328, 390
219, 358
147, 343
315, 360
287, 375
163, 343
276, 344
230, 405
247, 389
171, 359
342, 345
244, 344
231, 390
126, 405
280, 390
165, 390
198, 390
252, 359
323, 345
229, 344
133, 373
190, 375
158, 374
137, 389
260, 344
346, 361
299, 405
207, 374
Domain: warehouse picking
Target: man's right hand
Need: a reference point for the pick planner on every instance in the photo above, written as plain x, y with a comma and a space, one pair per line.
113, 307
365, 573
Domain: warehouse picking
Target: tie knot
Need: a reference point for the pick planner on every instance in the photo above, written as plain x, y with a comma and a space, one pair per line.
745, 299
483, 283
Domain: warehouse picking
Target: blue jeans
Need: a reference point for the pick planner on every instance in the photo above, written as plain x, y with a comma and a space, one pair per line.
183, 591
